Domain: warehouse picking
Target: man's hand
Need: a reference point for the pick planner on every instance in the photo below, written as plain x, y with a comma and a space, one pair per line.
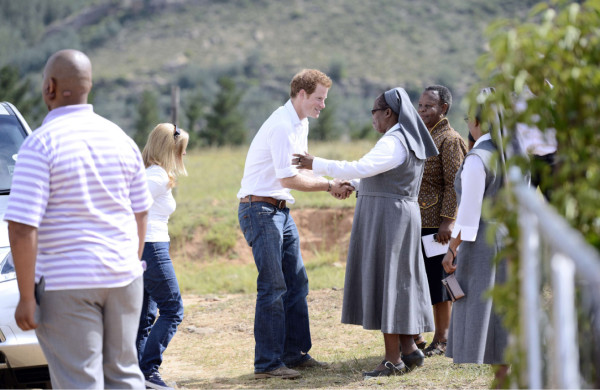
25, 314
303, 161
445, 231
341, 189
23, 244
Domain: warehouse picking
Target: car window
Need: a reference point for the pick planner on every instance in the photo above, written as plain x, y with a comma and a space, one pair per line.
12, 136
7, 268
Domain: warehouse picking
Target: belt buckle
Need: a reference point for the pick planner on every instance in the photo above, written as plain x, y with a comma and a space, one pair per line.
280, 204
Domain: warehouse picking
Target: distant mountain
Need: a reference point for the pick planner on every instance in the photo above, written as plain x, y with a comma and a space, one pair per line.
366, 46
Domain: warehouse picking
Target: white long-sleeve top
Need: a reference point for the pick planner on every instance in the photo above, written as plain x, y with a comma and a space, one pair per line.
163, 206
387, 154
473, 187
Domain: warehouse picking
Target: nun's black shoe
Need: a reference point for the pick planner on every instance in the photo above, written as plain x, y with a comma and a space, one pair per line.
414, 360
420, 342
388, 370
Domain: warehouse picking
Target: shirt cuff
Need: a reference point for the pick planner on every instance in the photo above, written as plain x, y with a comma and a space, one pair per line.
319, 166
467, 233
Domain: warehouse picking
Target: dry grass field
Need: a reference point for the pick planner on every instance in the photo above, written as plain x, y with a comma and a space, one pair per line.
214, 349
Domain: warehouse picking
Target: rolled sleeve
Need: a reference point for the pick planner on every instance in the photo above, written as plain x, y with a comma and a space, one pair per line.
282, 148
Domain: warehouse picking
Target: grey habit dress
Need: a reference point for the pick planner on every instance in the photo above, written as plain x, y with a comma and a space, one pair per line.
386, 285
476, 333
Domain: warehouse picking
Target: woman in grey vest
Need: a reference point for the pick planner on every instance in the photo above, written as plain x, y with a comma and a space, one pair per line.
476, 333
386, 284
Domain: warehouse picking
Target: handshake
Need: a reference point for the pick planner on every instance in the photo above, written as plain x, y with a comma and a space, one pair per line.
340, 189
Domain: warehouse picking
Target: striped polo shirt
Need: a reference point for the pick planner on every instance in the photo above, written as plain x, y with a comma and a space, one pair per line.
79, 179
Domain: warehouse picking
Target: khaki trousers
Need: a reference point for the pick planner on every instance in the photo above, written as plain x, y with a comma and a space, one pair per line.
88, 336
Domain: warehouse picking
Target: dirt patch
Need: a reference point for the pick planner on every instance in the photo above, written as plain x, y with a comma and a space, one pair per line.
320, 230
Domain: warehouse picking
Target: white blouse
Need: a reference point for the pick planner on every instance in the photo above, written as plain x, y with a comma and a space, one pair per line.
387, 154
473, 186
163, 206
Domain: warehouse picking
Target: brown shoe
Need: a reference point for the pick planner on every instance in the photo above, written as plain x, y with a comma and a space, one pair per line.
435, 348
311, 363
282, 372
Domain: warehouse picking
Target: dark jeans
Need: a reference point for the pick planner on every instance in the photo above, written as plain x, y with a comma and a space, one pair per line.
281, 326
161, 291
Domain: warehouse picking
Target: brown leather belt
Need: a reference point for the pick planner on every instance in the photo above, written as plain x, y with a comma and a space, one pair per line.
280, 204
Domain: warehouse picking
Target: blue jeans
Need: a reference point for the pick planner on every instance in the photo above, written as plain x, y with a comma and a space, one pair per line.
161, 291
281, 327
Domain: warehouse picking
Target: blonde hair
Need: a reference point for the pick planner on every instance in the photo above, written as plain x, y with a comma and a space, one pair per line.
308, 79
165, 149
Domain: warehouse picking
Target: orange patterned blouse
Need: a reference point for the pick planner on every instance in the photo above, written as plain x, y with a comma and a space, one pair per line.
437, 197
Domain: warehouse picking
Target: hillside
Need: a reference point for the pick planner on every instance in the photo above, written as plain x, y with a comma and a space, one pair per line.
365, 45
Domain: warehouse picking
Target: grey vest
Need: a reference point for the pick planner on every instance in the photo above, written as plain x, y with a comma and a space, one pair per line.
402, 182
493, 174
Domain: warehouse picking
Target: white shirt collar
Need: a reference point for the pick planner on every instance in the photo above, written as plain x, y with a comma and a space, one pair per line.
294, 115
484, 137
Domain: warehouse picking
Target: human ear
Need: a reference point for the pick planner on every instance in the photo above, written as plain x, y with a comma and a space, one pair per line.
445, 109
50, 89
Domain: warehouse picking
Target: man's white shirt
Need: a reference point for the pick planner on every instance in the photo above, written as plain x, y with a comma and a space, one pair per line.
270, 154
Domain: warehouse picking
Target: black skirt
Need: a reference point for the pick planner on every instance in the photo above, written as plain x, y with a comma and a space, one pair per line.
435, 272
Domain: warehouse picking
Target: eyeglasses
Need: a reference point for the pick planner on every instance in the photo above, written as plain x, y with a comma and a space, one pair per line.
177, 131
378, 109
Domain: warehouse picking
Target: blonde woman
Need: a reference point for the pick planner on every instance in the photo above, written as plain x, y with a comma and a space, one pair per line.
163, 159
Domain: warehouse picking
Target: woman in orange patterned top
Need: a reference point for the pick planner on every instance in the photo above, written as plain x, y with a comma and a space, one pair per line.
437, 200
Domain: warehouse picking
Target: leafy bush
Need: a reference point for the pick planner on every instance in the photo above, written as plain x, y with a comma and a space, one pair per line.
562, 47
560, 44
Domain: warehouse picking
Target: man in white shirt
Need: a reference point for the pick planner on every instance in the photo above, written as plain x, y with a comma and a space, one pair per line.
281, 325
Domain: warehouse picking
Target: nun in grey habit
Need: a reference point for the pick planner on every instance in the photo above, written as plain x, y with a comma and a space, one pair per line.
386, 285
476, 332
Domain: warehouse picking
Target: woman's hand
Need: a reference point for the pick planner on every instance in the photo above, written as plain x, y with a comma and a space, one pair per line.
303, 161
444, 233
448, 263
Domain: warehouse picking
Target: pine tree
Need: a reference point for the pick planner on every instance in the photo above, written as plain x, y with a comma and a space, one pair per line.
147, 118
194, 113
225, 124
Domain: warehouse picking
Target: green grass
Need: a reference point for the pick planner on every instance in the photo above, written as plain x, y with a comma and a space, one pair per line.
324, 272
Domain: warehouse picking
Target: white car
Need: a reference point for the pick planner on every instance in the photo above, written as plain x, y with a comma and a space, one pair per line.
22, 362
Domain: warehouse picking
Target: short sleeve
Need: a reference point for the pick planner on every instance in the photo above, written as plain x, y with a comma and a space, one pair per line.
158, 181
30, 187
